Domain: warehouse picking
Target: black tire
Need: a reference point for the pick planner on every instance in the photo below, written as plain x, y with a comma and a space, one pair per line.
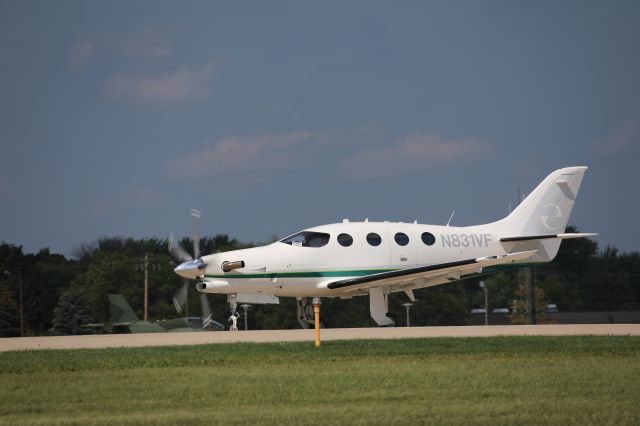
392, 318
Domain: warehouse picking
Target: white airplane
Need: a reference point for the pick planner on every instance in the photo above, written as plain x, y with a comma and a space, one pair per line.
378, 258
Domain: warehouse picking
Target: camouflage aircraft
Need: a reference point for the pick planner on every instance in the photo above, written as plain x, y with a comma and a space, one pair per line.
124, 321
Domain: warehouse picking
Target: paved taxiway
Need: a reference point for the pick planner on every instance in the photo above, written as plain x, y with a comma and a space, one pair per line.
202, 338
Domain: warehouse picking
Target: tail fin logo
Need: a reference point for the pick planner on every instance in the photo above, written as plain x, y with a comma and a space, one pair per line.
553, 219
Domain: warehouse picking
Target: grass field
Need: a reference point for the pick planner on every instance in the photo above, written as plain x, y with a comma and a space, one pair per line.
501, 380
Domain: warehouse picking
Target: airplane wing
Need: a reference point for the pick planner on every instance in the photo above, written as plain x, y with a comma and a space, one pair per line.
424, 276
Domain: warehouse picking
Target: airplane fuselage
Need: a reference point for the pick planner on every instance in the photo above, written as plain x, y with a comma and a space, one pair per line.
296, 270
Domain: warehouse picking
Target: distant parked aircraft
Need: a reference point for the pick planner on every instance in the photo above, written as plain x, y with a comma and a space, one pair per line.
125, 320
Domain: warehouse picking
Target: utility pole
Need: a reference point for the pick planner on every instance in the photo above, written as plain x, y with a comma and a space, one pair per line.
146, 285
21, 310
145, 267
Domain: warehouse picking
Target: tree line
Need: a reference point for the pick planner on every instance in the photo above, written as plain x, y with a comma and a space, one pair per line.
38, 289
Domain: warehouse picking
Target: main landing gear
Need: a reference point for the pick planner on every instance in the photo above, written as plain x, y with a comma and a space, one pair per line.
379, 306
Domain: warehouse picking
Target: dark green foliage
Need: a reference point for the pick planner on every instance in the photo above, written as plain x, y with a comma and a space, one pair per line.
630, 263
72, 313
272, 317
607, 284
9, 310
341, 313
579, 279
441, 305
42, 277
501, 288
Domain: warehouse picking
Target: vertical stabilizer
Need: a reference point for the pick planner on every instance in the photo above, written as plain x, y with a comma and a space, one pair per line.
120, 309
547, 209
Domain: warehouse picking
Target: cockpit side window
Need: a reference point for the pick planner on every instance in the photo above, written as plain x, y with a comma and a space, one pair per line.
307, 239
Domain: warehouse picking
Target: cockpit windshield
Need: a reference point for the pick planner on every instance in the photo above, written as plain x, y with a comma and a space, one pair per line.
307, 239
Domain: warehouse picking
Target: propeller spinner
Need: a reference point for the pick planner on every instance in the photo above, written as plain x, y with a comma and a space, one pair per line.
191, 268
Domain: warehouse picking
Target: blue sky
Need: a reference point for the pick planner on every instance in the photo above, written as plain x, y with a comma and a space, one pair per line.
116, 118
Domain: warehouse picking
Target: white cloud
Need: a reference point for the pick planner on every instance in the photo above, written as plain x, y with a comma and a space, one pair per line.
622, 138
146, 45
174, 87
414, 152
243, 158
240, 156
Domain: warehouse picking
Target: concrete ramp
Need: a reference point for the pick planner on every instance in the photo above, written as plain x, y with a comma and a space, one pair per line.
261, 336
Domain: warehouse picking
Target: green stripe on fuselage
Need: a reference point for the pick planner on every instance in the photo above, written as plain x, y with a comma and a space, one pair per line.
308, 274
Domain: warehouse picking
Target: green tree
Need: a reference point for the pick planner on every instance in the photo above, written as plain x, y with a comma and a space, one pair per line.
440, 305
563, 278
500, 287
273, 317
607, 284
73, 312
563, 292
40, 277
9, 322
518, 306
49, 276
630, 263
347, 313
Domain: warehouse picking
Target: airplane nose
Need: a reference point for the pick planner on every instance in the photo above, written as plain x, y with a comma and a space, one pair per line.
191, 269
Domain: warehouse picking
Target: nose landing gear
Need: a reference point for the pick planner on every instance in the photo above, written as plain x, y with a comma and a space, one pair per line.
306, 315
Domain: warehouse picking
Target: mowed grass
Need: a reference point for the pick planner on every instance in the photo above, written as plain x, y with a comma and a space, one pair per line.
501, 380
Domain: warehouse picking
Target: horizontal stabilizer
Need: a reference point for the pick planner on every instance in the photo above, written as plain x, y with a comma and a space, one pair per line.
567, 236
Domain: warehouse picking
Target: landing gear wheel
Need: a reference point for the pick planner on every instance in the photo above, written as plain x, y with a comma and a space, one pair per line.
392, 318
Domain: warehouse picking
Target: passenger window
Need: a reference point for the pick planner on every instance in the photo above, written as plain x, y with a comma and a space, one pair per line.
374, 239
428, 238
345, 240
401, 238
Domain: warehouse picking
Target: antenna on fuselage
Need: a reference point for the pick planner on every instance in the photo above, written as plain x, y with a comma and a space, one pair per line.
452, 213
